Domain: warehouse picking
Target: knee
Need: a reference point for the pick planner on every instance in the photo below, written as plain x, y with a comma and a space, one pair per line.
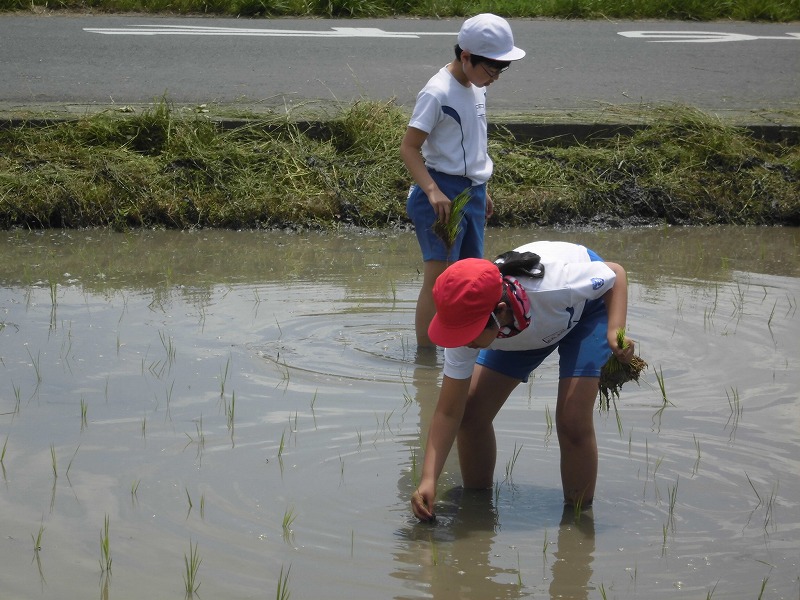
472, 424
575, 432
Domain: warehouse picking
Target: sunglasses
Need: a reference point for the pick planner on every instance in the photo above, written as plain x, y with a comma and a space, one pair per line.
494, 73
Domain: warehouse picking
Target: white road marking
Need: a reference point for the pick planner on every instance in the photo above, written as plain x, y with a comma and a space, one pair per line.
705, 37
334, 32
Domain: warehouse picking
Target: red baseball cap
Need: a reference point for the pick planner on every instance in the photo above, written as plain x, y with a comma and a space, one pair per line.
465, 294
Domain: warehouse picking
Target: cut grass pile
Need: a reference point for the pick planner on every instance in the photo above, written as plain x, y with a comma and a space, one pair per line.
166, 168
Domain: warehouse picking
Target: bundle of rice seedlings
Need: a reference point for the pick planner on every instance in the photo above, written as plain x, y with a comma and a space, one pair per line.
615, 373
448, 232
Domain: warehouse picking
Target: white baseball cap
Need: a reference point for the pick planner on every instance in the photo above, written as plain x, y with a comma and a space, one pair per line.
490, 36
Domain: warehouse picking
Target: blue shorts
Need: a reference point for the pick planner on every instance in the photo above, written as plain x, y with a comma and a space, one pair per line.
469, 243
582, 352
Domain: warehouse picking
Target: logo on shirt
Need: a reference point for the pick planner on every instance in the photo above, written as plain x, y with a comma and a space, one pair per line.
598, 282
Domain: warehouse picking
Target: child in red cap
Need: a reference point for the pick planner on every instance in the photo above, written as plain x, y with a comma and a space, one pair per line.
497, 322
445, 150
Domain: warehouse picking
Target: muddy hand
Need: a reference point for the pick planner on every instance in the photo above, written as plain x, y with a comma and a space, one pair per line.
422, 506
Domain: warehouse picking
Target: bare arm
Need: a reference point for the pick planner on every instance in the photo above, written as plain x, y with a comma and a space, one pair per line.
410, 152
616, 300
444, 427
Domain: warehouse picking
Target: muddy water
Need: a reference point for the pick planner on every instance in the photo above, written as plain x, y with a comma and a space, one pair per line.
256, 400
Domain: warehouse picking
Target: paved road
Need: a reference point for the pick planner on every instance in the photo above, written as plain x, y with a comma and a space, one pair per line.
573, 67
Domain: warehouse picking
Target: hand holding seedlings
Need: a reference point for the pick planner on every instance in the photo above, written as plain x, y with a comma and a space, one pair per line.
621, 367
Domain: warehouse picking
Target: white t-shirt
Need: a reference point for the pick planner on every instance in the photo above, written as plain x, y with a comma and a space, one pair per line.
454, 117
557, 300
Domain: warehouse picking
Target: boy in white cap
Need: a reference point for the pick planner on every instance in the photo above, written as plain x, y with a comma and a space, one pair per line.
445, 151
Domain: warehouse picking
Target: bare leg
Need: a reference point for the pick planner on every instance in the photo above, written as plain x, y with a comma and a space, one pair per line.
477, 446
425, 305
576, 437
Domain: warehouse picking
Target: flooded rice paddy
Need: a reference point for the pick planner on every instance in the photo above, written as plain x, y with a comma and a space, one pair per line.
242, 414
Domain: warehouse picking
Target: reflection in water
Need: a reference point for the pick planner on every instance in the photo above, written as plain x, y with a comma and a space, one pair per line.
572, 569
450, 559
455, 557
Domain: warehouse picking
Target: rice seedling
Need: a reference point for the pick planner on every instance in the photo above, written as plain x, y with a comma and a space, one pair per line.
53, 303
616, 373
191, 566
282, 443
414, 473
53, 461
202, 506
673, 496
230, 412
105, 547
770, 506
763, 587
603, 594
408, 398
434, 551
512, 461
577, 509
223, 377
771, 315
200, 438
135, 490
169, 346
37, 540
545, 543
662, 387
519, 571
71, 460
288, 518
3, 452
17, 397
189, 499
630, 442
35, 362
448, 231
752, 485
633, 573
735, 404
696, 466
548, 419
84, 412
283, 593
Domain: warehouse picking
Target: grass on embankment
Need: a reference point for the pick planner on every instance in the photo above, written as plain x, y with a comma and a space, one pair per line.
164, 168
695, 10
